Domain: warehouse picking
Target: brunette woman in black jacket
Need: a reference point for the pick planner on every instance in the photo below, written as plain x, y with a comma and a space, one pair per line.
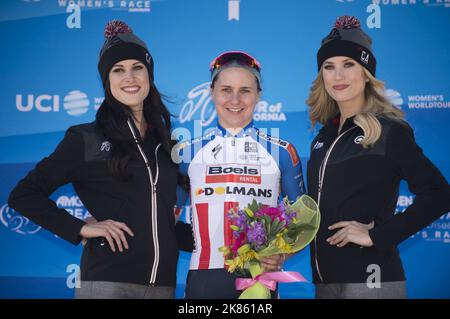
120, 166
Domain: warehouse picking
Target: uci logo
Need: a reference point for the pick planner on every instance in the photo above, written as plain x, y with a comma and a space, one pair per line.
359, 139
75, 103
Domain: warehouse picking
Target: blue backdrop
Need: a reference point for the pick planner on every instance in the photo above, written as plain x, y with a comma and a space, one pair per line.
49, 81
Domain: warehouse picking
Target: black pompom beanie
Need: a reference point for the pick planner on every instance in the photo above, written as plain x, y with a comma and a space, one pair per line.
122, 44
348, 39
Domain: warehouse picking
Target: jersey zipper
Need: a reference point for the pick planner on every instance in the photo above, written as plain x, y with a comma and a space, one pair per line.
322, 169
154, 202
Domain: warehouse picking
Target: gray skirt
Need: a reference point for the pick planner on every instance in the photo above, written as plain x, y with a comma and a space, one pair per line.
121, 290
387, 290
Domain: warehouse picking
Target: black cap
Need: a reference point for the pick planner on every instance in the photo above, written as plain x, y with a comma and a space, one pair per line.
348, 39
122, 44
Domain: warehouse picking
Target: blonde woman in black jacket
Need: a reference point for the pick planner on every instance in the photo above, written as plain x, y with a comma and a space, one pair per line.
120, 167
357, 161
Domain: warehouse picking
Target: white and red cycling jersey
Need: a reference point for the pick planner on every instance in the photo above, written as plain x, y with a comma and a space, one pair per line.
227, 171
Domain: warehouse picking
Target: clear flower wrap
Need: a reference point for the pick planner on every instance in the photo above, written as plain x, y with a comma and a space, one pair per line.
260, 231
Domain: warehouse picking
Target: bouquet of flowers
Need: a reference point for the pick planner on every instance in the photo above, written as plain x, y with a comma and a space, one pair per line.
260, 231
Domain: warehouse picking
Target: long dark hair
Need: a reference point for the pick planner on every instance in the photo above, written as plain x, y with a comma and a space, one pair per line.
112, 119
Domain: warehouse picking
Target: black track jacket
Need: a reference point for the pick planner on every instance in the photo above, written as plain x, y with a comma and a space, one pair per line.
147, 209
363, 185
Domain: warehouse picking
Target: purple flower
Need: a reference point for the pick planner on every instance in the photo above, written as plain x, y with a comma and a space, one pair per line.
286, 215
241, 220
256, 235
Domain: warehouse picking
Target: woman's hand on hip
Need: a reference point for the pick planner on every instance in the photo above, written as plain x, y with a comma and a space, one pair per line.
351, 232
88, 220
111, 230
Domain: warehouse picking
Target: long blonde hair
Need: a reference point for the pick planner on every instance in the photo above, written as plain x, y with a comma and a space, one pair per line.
322, 107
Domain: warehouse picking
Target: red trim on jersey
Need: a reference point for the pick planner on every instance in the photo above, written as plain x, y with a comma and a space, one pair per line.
233, 178
177, 211
227, 231
294, 155
202, 213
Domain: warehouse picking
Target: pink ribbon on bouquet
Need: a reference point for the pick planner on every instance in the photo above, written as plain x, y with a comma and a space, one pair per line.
270, 279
